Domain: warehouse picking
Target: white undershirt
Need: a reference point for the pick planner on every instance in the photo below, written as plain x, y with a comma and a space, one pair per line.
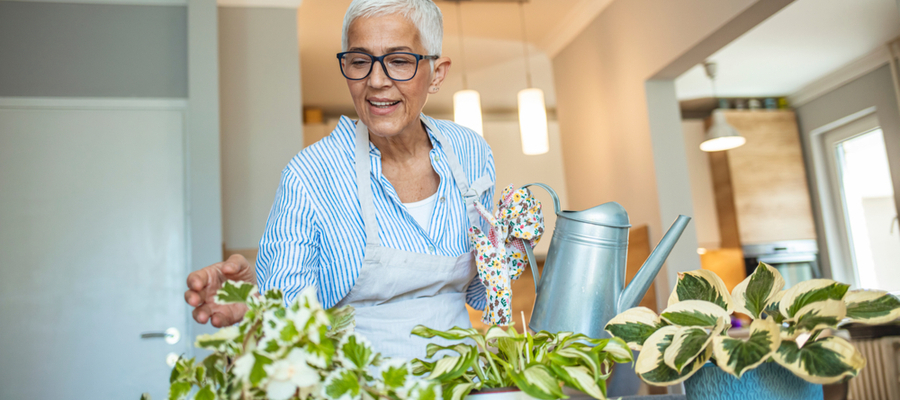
421, 211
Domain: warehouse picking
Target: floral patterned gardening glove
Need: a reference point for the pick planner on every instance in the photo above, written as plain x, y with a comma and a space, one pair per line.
500, 253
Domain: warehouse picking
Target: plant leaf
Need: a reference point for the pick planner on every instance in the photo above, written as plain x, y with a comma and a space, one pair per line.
695, 313
537, 381
235, 292
354, 350
218, 340
872, 307
451, 367
634, 326
257, 373
688, 343
736, 356
824, 361
342, 384
205, 393
455, 333
816, 316
179, 390
773, 307
811, 291
580, 378
753, 293
457, 390
651, 366
701, 285
616, 350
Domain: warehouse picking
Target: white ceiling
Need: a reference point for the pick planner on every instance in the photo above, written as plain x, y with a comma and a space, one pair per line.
493, 44
805, 41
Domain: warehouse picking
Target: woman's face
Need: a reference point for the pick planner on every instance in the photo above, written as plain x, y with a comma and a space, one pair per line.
387, 107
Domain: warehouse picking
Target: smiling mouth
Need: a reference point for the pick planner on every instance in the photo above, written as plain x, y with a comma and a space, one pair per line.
383, 104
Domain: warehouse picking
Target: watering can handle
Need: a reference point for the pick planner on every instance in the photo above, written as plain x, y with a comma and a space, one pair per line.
528, 250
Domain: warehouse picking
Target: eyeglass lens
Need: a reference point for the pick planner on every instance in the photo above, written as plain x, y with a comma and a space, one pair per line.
399, 66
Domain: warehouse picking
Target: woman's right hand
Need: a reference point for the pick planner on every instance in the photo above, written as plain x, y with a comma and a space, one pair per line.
204, 283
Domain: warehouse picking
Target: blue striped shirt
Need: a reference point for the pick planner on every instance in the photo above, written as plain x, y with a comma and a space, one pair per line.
315, 236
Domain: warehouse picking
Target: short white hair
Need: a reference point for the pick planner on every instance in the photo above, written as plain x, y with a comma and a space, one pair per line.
424, 14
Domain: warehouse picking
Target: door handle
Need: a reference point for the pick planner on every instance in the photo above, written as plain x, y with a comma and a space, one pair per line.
171, 335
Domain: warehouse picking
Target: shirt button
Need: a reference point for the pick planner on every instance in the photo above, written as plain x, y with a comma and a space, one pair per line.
437, 157
431, 249
443, 199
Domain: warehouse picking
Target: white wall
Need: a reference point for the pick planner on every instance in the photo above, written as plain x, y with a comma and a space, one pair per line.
261, 123
602, 105
514, 167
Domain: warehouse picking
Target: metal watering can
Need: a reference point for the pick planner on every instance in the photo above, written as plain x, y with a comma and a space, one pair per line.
583, 283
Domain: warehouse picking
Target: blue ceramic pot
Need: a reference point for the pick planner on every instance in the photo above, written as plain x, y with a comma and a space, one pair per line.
769, 381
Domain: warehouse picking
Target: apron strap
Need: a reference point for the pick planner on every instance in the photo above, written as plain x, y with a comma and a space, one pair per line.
469, 193
364, 184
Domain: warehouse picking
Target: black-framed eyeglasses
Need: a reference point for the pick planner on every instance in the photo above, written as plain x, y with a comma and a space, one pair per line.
400, 66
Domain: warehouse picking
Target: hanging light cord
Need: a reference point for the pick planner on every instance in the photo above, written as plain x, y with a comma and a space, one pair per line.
462, 48
525, 45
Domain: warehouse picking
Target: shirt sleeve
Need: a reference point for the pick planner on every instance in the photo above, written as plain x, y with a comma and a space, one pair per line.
476, 295
289, 249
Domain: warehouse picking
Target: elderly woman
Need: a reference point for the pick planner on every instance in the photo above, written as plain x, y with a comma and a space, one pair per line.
375, 215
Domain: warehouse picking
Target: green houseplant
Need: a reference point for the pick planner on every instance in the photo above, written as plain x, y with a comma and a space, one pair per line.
790, 327
297, 352
539, 365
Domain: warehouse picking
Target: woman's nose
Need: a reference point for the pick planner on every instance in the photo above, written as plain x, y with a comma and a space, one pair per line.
379, 78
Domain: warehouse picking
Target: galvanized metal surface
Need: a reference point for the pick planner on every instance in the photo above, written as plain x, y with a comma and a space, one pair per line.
583, 282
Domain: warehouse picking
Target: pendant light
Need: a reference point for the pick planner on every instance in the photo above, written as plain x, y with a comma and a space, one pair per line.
532, 110
466, 102
720, 136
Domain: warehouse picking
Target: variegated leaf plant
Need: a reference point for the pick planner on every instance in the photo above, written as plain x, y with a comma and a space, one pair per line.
538, 364
297, 352
792, 327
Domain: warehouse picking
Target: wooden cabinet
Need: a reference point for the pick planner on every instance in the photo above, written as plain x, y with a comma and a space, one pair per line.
766, 178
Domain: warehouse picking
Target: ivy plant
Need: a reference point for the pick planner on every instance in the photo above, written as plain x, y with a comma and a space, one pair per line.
791, 327
297, 352
540, 364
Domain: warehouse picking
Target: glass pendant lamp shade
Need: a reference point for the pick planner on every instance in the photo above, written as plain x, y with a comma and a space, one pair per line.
721, 136
533, 122
467, 110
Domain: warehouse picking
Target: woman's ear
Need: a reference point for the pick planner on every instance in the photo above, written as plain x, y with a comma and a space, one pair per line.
441, 68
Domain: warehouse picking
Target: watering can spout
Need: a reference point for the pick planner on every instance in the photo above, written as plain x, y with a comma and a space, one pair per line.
635, 290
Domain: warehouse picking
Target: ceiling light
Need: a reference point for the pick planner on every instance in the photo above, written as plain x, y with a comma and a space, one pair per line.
532, 110
466, 102
720, 136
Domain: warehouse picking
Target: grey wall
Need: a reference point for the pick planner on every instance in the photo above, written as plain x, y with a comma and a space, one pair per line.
92, 50
873, 89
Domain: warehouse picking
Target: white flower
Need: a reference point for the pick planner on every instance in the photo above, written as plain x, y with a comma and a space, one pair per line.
290, 374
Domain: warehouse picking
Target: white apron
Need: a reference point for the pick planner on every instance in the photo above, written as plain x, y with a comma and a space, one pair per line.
397, 290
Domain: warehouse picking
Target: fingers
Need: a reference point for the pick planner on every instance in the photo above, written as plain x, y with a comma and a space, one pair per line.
193, 298
201, 314
235, 264
197, 280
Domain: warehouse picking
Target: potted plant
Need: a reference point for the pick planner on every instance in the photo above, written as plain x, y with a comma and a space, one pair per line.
297, 352
791, 349
512, 363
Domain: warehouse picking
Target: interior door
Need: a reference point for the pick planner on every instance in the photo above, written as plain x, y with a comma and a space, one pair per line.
864, 196
92, 251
